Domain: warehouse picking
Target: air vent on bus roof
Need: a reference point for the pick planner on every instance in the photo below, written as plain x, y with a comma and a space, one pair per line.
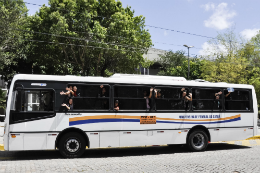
174, 78
200, 80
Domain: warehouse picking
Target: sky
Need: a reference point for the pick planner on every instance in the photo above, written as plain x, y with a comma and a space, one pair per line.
200, 18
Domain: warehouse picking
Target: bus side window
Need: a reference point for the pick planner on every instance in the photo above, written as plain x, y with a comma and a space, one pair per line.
16, 101
37, 100
207, 99
133, 97
238, 99
92, 97
171, 98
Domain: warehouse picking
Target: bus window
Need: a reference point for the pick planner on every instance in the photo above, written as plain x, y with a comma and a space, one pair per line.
133, 97
35, 100
207, 99
92, 97
172, 98
237, 100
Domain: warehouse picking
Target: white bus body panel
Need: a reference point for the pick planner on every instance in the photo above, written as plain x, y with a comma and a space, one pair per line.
170, 128
123, 133
33, 135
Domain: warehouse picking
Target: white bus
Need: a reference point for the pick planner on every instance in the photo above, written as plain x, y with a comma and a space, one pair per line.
124, 110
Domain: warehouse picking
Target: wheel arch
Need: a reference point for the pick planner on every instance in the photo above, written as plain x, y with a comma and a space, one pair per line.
196, 128
72, 129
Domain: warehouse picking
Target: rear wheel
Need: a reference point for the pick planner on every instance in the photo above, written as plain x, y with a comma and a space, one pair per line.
72, 145
197, 140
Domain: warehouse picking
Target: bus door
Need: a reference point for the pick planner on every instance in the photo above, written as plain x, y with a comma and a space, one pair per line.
32, 113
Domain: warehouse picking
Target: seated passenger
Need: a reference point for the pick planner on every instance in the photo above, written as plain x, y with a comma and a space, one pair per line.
69, 106
145, 94
74, 92
116, 107
104, 92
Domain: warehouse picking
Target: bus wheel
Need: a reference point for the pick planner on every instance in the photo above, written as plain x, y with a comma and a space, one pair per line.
72, 145
197, 140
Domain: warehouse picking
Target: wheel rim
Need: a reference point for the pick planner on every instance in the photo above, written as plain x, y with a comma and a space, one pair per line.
72, 145
198, 141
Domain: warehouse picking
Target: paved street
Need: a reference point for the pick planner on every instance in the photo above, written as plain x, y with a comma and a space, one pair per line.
218, 158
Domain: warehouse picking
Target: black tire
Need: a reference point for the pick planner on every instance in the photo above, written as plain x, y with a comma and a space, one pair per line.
72, 145
197, 140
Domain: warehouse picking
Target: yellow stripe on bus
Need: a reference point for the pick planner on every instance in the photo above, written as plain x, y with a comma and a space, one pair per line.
138, 117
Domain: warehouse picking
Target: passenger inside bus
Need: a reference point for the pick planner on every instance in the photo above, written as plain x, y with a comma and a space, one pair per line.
158, 93
147, 106
68, 93
217, 101
104, 92
46, 99
151, 93
75, 93
227, 97
185, 99
69, 106
116, 107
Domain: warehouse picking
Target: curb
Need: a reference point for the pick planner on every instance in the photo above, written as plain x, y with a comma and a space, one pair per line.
243, 142
254, 137
2, 147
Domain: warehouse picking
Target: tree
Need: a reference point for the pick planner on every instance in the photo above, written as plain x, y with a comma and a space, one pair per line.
232, 69
93, 37
171, 60
13, 15
2, 99
176, 64
226, 62
255, 81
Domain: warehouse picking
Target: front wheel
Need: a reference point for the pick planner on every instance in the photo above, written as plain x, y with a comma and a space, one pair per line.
197, 140
72, 145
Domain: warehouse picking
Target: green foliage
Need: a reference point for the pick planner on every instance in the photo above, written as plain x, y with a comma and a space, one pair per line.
255, 81
146, 63
13, 15
235, 64
2, 99
232, 69
176, 64
104, 38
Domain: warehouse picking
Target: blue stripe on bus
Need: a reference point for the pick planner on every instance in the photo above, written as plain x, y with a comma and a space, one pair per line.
214, 122
102, 121
138, 120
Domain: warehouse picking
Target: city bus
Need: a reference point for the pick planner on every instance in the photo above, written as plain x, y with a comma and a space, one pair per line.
72, 113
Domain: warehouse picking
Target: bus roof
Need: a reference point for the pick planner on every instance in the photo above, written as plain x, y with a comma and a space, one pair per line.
128, 79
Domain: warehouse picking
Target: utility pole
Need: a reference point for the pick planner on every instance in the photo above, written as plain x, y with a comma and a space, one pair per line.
188, 59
